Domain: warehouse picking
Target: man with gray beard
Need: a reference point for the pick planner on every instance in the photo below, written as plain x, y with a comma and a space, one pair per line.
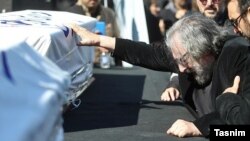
216, 10
200, 97
201, 53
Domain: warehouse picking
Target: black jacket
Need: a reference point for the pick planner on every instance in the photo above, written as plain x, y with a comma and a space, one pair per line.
233, 60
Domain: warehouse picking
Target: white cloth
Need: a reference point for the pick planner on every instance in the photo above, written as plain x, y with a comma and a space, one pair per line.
45, 32
41, 69
31, 95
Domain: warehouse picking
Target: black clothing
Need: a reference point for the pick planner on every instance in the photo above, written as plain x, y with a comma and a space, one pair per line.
154, 33
233, 60
154, 56
202, 94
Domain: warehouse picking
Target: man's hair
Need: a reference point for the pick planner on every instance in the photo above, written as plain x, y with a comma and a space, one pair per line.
243, 5
198, 34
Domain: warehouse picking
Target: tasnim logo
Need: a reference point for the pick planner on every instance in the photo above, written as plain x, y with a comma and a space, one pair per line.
241, 132
218, 132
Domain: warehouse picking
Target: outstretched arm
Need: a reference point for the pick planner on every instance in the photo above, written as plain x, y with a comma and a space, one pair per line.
154, 56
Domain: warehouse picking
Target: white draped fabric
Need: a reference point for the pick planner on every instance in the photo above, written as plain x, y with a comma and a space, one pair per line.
41, 69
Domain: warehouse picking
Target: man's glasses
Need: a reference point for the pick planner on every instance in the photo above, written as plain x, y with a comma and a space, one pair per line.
183, 60
235, 22
204, 2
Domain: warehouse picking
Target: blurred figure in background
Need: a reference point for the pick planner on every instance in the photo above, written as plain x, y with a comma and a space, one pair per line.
93, 8
169, 17
194, 6
152, 11
214, 9
63, 4
182, 7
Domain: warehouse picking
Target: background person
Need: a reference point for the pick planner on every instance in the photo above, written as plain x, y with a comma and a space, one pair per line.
239, 15
152, 10
93, 8
169, 17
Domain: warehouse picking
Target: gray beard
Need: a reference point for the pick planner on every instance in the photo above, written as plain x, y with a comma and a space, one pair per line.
203, 74
203, 79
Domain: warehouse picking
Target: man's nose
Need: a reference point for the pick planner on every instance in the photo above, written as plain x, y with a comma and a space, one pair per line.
182, 68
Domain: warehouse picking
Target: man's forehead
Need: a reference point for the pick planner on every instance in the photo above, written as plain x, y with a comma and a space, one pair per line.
233, 9
178, 48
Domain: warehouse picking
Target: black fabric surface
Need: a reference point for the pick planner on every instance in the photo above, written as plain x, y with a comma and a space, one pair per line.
124, 105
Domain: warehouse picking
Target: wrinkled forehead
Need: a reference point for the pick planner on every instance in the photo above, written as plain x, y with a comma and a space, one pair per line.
177, 47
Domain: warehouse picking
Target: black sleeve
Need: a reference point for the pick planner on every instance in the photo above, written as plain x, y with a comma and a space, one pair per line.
235, 108
174, 82
229, 108
203, 123
154, 56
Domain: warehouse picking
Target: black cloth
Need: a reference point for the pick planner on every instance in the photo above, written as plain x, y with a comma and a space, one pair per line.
233, 60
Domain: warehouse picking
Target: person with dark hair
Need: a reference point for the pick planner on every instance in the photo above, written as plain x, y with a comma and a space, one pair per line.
239, 15
169, 17
200, 51
234, 106
152, 10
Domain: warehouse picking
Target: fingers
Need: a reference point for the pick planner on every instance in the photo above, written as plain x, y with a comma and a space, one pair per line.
87, 38
236, 82
174, 94
76, 28
177, 129
177, 94
165, 96
182, 128
172, 129
170, 94
235, 87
